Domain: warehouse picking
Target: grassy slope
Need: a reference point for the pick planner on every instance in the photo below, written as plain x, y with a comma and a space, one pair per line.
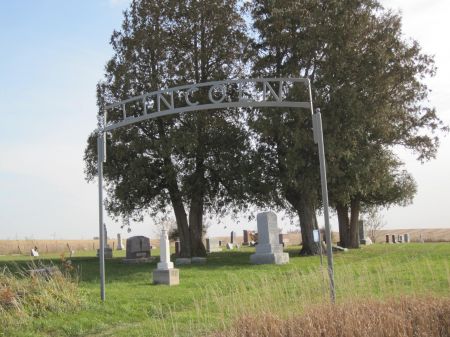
211, 296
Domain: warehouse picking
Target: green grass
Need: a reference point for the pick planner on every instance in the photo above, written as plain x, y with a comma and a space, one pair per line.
211, 296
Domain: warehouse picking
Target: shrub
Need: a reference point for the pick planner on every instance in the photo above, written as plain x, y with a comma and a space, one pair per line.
24, 295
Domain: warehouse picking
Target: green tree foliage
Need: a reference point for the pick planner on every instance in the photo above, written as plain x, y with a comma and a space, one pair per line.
190, 162
368, 81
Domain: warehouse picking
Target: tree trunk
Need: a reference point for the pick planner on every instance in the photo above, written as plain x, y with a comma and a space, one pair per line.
354, 228
178, 209
344, 223
308, 224
176, 199
183, 229
306, 213
196, 227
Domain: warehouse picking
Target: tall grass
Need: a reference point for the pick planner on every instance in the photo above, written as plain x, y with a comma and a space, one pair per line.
24, 296
399, 317
281, 297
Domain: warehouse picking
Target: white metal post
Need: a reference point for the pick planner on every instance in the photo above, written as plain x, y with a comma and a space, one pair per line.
101, 228
318, 138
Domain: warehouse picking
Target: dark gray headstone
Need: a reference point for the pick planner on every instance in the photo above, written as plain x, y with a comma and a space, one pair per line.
138, 247
247, 237
232, 237
362, 229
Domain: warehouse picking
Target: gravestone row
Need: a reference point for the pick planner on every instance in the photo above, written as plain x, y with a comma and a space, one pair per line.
397, 238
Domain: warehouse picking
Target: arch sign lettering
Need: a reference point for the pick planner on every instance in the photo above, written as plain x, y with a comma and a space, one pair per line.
260, 92
270, 92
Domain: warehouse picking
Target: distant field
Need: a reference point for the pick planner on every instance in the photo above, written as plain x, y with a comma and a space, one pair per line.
23, 247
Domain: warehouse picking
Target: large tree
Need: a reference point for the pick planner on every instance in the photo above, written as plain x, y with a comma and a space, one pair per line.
368, 81
370, 86
189, 162
284, 136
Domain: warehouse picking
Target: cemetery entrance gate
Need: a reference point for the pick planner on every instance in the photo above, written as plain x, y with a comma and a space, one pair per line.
260, 92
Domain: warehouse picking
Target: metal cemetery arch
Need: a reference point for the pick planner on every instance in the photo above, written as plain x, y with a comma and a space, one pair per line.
221, 94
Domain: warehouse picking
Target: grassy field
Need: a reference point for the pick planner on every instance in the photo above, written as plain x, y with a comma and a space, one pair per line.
212, 297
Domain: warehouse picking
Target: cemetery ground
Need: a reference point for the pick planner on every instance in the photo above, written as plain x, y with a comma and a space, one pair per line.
222, 297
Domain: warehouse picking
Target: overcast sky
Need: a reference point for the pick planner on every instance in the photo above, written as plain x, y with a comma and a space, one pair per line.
52, 55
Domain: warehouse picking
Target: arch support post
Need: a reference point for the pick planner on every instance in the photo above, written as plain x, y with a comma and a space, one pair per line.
318, 139
101, 227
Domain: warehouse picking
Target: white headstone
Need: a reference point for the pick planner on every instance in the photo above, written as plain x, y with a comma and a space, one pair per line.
212, 245
268, 249
119, 242
164, 253
165, 273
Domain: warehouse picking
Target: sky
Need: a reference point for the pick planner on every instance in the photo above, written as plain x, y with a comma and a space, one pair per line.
53, 54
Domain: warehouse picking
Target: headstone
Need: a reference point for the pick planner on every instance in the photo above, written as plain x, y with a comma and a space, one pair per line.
138, 250
177, 248
387, 238
268, 249
393, 238
212, 245
230, 246
232, 237
406, 237
247, 237
119, 242
34, 252
165, 273
363, 238
107, 252
362, 230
